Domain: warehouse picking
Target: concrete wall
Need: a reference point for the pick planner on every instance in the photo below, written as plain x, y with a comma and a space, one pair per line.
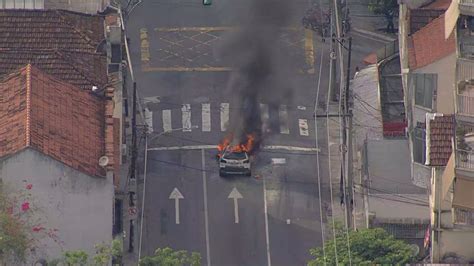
459, 242
445, 68
80, 207
83, 6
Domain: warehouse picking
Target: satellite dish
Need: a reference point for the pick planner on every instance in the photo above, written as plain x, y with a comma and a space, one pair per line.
104, 161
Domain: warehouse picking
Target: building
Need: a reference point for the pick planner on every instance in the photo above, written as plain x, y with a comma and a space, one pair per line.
85, 52
53, 135
83, 6
439, 98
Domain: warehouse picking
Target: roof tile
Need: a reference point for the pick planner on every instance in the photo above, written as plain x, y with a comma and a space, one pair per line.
65, 123
441, 133
429, 44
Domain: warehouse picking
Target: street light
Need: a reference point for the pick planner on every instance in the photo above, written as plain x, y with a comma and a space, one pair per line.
171, 130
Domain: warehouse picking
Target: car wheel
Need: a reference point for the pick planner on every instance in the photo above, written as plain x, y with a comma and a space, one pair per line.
249, 173
222, 174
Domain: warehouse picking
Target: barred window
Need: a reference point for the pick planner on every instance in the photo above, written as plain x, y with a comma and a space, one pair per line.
419, 145
424, 87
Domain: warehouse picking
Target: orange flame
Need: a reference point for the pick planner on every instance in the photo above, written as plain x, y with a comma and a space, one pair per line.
241, 147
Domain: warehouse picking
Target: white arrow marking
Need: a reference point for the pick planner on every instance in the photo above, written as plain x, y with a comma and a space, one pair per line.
235, 195
176, 195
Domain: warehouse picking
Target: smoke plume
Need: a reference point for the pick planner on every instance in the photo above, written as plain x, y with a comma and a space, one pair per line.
262, 68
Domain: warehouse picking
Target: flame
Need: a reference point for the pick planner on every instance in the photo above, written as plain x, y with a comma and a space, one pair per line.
247, 146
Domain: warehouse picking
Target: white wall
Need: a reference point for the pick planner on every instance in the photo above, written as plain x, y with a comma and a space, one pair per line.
79, 206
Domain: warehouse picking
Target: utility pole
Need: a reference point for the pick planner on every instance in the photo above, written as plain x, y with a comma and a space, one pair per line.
348, 117
332, 61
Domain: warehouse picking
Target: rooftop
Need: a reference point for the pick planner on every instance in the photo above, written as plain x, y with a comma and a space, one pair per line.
420, 17
59, 120
50, 30
428, 45
62, 43
440, 133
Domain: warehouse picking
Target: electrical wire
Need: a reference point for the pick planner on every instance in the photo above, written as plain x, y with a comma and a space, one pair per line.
317, 146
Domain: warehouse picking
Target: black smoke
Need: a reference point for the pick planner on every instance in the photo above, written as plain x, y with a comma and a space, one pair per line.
262, 68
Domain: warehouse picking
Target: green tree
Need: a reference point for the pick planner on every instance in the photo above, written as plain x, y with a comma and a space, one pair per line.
387, 8
367, 247
169, 257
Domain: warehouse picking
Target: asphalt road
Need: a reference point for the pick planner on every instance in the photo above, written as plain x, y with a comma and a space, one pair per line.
271, 218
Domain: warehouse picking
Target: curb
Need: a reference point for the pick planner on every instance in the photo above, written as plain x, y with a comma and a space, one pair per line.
373, 34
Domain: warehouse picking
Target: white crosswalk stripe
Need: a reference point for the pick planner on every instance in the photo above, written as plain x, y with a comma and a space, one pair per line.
206, 117
303, 125
265, 116
166, 115
283, 115
224, 110
186, 117
149, 120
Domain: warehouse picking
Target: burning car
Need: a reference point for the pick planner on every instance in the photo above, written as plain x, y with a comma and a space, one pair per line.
234, 159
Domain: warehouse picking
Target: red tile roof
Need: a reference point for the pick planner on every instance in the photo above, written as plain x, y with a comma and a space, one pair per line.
82, 69
441, 133
61, 43
53, 117
428, 45
50, 29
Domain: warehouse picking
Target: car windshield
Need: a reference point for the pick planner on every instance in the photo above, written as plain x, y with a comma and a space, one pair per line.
235, 155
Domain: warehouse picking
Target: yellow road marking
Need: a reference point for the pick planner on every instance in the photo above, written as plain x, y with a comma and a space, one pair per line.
309, 50
211, 29
186, 69
145, 47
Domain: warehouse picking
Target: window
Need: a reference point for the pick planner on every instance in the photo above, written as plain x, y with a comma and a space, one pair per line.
22, 4
419, 145
424, 87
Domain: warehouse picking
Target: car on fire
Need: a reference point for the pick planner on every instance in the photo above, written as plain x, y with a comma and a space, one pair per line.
234, 156
234, 162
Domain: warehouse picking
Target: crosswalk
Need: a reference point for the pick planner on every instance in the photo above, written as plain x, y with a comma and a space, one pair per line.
286, 122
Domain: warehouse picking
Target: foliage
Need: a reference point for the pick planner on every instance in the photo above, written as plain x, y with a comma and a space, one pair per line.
21, 225
383, 7
169, 257
75, 258
367, 247
103, 254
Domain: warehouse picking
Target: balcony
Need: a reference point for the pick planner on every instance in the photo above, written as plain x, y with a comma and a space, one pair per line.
466, 7
465, 105
465, 159
463, 216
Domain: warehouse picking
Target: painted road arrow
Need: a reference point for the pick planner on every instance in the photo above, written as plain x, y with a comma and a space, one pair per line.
235, 195
176, 195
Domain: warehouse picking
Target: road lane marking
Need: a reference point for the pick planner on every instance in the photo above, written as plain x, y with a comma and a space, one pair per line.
206, 117
283, 115
210, 147
224, 116
176, 196
288, 221
186, 117
278, 160
163, 29
267, 234
166, 115
235, 195
144, 47
206, 213
309, 50
186, 69
303, 125
265, 116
